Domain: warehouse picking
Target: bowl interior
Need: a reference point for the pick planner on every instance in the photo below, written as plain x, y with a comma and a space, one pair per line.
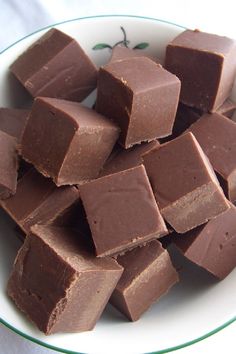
193, 308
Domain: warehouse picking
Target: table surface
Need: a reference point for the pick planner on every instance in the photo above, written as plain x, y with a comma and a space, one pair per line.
27, 16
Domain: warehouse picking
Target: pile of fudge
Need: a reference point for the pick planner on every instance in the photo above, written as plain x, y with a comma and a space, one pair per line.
98, 193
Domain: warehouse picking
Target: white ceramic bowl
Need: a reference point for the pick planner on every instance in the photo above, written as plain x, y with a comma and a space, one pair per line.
194, 309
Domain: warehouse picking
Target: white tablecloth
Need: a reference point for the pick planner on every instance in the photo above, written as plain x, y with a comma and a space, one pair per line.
20, 17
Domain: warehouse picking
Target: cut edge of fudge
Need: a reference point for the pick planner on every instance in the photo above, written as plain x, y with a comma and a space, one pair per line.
220, 53
79, 267
196, 245
218, 144
44, 215
136, 240
136, 93
82, 121
175, 212
139, 282
23, 214
54, 206
212, 187
31, 77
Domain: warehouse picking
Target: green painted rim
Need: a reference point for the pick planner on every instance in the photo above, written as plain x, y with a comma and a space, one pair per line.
61, 350
91, 17
167, 350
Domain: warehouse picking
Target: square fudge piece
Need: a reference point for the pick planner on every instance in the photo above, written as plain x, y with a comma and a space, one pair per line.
8, 165
218, 237
148, 274
58, 284
217, 136
67, 141
205, 64
184, 183
38, 201
56, 66
125, 159
140, 96
121, 211
13, 121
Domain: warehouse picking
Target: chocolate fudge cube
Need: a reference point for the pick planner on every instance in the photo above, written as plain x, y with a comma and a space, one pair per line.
205, 64
56, 66
39, 201
13, 121
148, 275
140, 96
125, 159
217, 136
58, 284
213, 245
67, 141
121, 211
8, 165
184, 183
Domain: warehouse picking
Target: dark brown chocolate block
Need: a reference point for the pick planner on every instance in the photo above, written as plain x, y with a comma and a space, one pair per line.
217, 136
58, 284
227, 108
56, 66
148, 274
13, 121
8, 165
184, 183
125, 159
140, 96
213, 245
67, 141
38, 200
121, 211
121, 52
205, 64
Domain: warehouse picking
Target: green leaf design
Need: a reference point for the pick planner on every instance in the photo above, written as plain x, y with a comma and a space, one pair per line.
142, 45
101, 46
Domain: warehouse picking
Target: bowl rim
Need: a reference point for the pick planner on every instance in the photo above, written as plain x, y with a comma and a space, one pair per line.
66, 351
88, 18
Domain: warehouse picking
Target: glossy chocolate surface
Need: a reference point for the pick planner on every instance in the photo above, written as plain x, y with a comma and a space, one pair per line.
217, 136
56, 66
58, 283
205, 64
213, 245
72, 143
140, 96
121, 211
184, 183
148, 274
39, 201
